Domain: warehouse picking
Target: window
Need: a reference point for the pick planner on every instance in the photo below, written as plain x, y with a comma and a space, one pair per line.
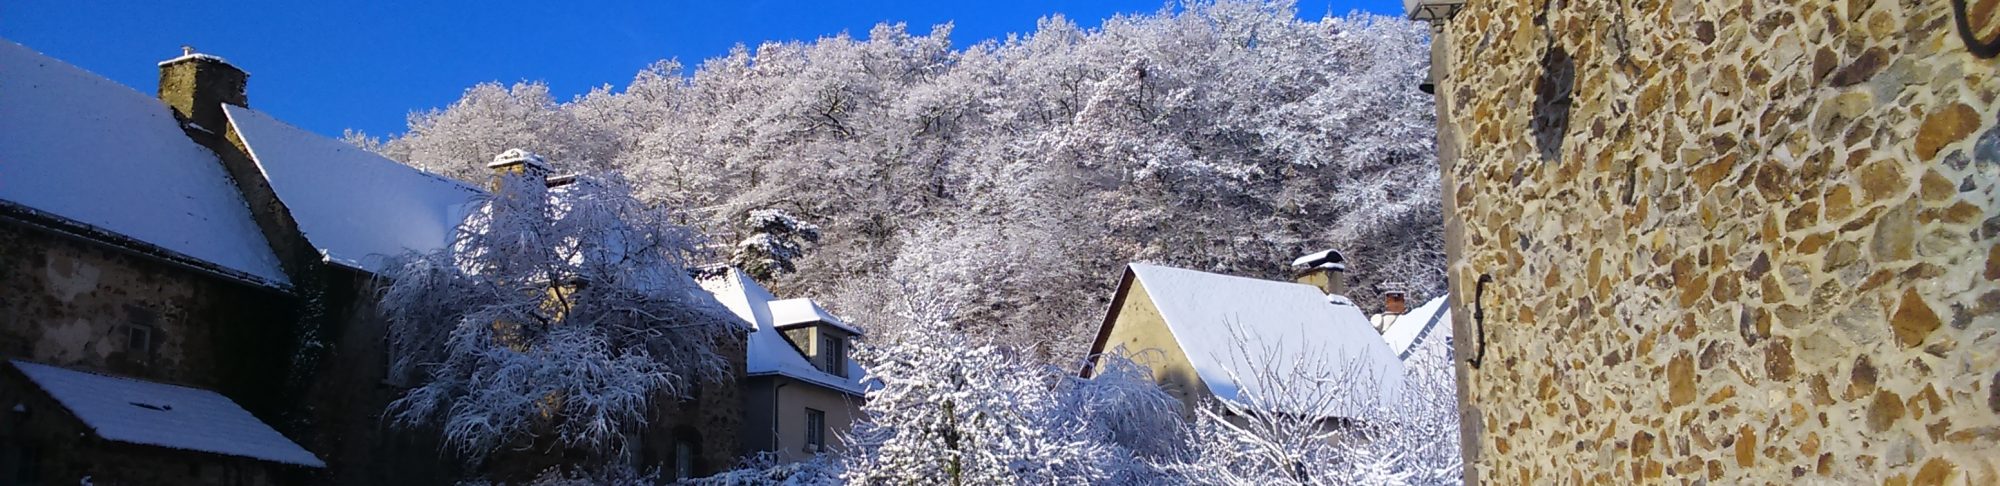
28, 469
815, 430
683, 459
139, 343
835, 349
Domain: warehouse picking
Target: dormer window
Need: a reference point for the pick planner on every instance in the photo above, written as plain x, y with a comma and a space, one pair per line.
821, 337
833, 349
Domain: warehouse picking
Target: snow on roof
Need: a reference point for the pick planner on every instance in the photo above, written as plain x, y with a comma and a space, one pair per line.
791, 312
356, 207
84, 148
1323, 256
157, 414
1433, 319
769, 353
1287, 326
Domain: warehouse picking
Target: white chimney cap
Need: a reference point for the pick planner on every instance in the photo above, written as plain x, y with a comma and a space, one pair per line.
515, 156
1324, 258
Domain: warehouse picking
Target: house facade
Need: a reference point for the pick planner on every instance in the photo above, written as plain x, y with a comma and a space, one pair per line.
802, 391
1723, 242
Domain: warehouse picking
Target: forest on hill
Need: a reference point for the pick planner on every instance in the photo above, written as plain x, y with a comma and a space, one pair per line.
1010, 180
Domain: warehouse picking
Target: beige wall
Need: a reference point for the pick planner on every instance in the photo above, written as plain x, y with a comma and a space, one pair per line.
1142, 333
775, 415
1733, 242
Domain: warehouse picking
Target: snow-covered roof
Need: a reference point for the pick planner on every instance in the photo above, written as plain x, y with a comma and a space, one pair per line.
769, 353
1283, 325
84, 148
792, 312
158, 414
1431, 321
356, 207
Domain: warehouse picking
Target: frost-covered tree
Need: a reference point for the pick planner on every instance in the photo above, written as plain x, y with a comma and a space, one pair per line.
1314, 423
1228, 136
554, 320
954, 411
775, 240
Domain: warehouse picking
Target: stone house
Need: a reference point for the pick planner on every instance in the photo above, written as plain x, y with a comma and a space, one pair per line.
125, 250
195, 241
1207, 336
1723, 242
801, 392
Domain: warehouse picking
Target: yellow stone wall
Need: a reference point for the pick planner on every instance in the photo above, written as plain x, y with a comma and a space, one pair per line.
1738, 242
1141, 333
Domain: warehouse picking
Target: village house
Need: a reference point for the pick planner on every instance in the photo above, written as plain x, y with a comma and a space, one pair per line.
801, 391
159, 249
1722, 242
125, 250
1207, 336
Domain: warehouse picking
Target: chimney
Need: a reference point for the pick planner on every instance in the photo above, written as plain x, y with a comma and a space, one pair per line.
517, 162
196, 85
1326, 270
1395, 302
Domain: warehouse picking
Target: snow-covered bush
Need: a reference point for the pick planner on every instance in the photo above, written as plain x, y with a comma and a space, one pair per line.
952, 410
554, 320
776, 239
604, 475
1320, 424
766, 469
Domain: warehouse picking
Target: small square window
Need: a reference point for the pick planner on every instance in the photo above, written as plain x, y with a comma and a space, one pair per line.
139, 343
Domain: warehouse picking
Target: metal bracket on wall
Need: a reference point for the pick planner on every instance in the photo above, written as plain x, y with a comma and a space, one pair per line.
1479, 319
1984, 48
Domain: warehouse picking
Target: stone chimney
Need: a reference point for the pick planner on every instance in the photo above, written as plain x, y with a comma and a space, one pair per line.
1326, 270
196, 85
517, 162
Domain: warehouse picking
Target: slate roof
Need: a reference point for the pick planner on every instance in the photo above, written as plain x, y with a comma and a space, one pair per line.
85, 149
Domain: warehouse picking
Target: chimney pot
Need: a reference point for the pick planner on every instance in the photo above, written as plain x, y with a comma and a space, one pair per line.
1395, 302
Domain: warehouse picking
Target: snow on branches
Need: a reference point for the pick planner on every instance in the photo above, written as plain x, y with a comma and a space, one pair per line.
554, 319
776, 239
954, 410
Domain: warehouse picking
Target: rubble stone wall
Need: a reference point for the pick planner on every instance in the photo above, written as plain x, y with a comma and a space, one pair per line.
1725, 241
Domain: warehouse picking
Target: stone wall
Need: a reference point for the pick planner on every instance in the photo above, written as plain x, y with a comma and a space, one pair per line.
1724, 241
78, 303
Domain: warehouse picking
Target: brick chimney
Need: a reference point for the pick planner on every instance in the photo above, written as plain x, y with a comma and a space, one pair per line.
1395, 302
1325, 269
196, 85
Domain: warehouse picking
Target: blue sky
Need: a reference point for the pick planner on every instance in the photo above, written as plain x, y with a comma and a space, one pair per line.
328, 65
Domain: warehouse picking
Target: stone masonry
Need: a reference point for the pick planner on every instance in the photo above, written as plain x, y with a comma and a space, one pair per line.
1725, 242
